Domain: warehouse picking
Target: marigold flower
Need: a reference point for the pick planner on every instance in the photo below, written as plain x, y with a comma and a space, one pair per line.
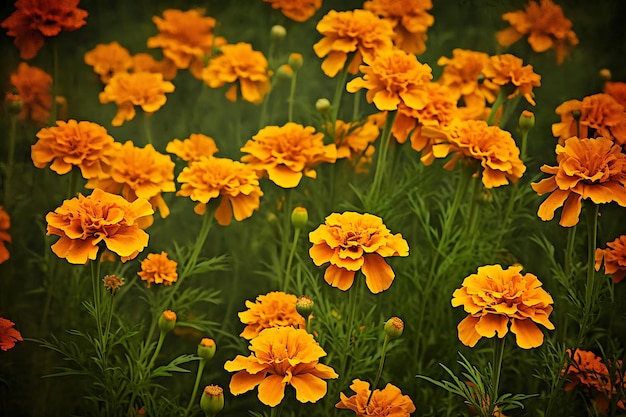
355, 142
358, 32
587, 168
35, 20
235, 182
143, 62
391, 78
85, 224
239, 62
274, 309
614, 259
388, 402
286, 153
139, 172
158, 268
33, 87
83, 144
617, 90
352, 241
8, 334
507, 71
298, 10
546, 27
127, 90
410, 21
193, 148
493, 297
5, 237
281, 356
108, 59
112, 283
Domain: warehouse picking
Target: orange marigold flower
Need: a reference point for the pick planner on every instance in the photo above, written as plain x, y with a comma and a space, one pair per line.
87, 224
410, 21
614, 259
602, 115
546, 27
33, 87
145, 89
193, 148
158, 268
275, 309
358, 32
239, 62
35, 20
237, 184
288, 152
355, 142
83, 144
391, 78
493, 297
352, 241
388, 402
508, 71
108, 59
587, 168
298, 10
143, 62
495, 148
281, 356
186, 38
8, 334
5, 237
617, 90
139, 173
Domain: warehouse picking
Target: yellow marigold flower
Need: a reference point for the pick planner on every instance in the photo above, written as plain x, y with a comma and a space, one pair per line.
193, 148
388, 402
239, 62
108, 59
185, 37
495, 297
617, 90
33, 87
9, 335
614, 259
143, 62
85, 224
410, 21
235, 182
352, 241
587, 168
286, 153
493, 147
145, 89
355, 142
5, 237
546, 27
281, 356
358, 32
507, 71
83, 144
158, 268
139, 172
274, 309
391, 78
298, 10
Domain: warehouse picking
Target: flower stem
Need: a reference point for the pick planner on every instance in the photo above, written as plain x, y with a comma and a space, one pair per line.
157, 350
292, 95
380, 369
341, 85
352, 303
381, 161
146, 127
196, 384
292, 252
500, 99
590, 288
498, 354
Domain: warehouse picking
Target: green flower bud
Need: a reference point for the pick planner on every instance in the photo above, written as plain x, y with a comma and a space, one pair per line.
206, 348
304, 306
167, 321
394, 327
526, 120
295, 61
278, 32
212, 400
322, 105
299, 217
284, 72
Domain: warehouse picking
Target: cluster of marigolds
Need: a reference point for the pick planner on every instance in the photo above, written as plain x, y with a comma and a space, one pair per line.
454, 117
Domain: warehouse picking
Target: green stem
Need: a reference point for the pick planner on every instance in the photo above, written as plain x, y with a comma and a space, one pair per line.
292, 95
381, 161
569, 251
266, 99
73, 180
292, 252
500, 99
339, 89
498, 354
524, 145
590, 288
157, 350
352, 303
10, 161
380, 370
196, 384
472, 216
146, 127
97, 293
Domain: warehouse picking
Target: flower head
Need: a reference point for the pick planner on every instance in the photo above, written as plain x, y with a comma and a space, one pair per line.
288, 152
495, 297
107, 59
614, 259
33, 88
546, 27
35, 20
8, 334
281, 356
587, 169
212, 400
358, 32
508, 71
143, 62
87, 224
355, 142
388, 402
235, 182
617, 90
158, 268
352, 241
5, 237
193, 148
239, 63
127, 90
297, 10
274, 309
112, 283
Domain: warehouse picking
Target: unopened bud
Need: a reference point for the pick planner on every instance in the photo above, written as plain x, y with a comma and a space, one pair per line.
394, 327
206, 348
299, 217
14, 103
322, 105
295, 61
167, 321
526, 120
284, 72
605, 74
212, 400
278, 32
304, 306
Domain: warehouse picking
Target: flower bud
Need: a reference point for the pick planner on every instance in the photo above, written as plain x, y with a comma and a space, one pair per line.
206, 348
284, 72
322, 105
14, 103
605, 74
526, 120
112, 283
278, 32
394, 327
167, 321
212, 400
576, 114
295, 61
299, 217
304, 306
